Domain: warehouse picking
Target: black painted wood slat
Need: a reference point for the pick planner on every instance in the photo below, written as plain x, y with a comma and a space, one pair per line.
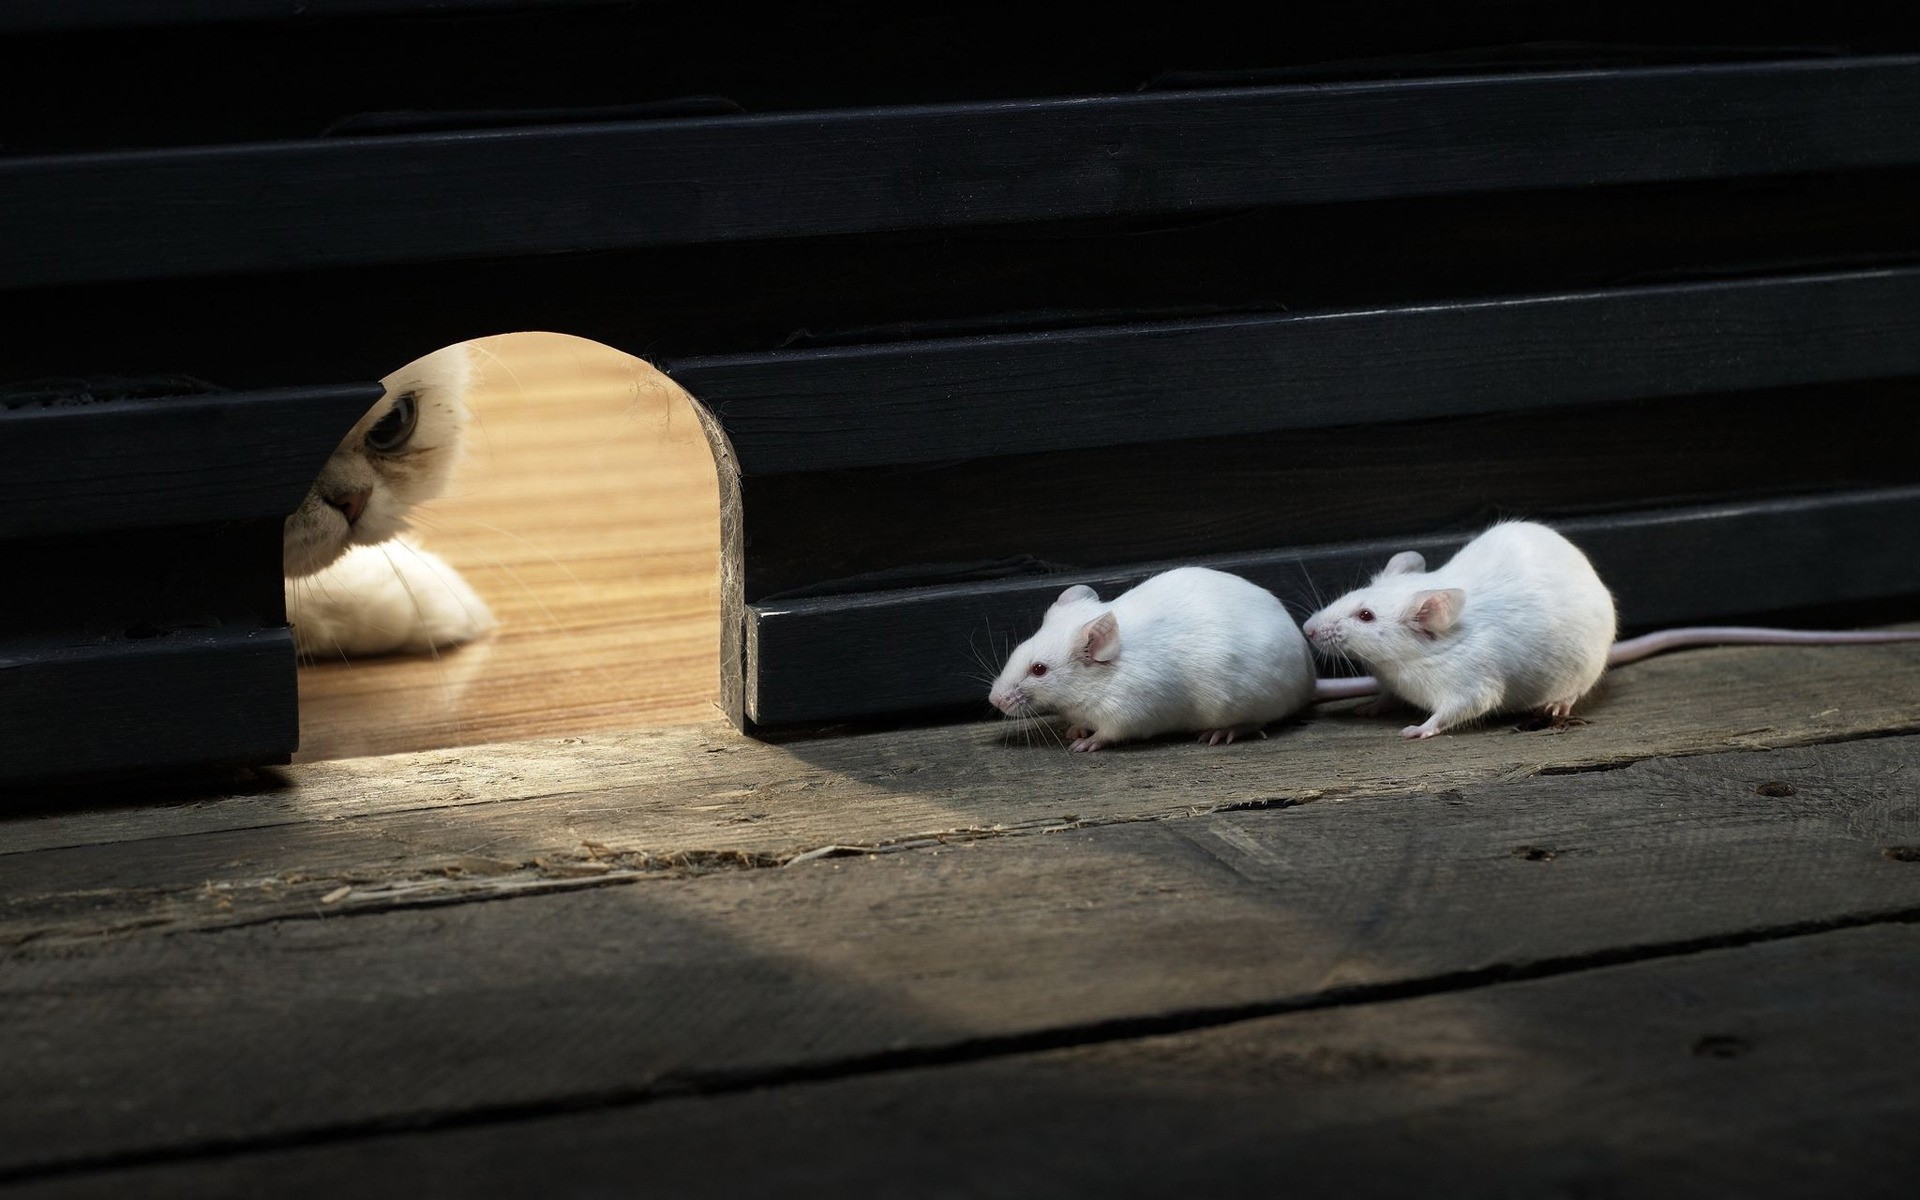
137, 14
153, 634
971, 397
914, 524
668, 304
92, 587
150, 214
188, 699
918, 649
182, 460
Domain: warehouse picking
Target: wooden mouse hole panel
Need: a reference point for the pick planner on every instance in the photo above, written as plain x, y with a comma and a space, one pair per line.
585, 513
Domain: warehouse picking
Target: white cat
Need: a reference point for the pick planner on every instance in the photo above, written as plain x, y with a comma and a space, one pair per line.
355, 586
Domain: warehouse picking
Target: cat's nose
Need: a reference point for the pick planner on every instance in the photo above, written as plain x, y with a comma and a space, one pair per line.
352, 504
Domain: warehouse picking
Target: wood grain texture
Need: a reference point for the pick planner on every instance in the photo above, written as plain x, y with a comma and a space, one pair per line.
486, 822
665, 303
624, 994
1777, 1070
586, 517
1171, 501
285, 205
967, 398
1671, 947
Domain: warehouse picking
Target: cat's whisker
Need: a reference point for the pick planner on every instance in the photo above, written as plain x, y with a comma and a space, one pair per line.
507, 533
553, 621
495, 562
440, 571
312, 585
398, 574
479, 346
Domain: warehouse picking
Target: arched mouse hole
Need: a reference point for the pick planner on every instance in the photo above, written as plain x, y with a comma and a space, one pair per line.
585, 512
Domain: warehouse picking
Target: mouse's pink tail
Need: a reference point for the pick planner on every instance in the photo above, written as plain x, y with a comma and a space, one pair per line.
1649, 644
1343, 689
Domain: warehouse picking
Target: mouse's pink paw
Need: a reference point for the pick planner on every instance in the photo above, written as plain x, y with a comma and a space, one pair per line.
1087, 744
1560, 712
1076, 732
1418, 732
1218, 737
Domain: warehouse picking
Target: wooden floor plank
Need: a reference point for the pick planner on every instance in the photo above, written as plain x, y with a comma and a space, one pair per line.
1771, 1070
294, 1028
495, 820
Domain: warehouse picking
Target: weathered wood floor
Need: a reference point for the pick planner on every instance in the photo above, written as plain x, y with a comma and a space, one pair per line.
1675, 949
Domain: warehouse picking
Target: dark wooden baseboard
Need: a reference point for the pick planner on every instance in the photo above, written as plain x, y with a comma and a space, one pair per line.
921, 650
142, 622
186, 699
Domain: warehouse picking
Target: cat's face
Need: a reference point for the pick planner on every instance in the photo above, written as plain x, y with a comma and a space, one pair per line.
397, 456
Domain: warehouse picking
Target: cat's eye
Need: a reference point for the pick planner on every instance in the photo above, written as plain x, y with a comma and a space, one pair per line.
1365, 614
391, 432
1037, 670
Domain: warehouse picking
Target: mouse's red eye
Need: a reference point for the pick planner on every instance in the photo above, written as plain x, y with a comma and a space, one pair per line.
1037, 669
1365, 614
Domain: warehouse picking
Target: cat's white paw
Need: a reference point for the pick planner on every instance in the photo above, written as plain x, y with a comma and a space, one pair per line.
390, 598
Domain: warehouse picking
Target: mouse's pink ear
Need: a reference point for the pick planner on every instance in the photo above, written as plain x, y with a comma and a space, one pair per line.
1078, 591
1099, 640
1407, 562
1436, 611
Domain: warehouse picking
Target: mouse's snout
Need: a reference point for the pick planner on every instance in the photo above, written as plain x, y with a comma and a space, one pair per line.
1323, 633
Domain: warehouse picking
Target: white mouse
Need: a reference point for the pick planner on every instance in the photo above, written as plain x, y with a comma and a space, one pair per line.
1517, 620
1191, 650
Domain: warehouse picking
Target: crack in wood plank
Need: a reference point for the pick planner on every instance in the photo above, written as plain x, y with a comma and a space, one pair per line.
962, 1052
769, 974
1782, 1071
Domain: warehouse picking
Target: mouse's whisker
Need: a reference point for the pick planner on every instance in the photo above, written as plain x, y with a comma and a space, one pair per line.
973, 646
1038, 728
1313, 588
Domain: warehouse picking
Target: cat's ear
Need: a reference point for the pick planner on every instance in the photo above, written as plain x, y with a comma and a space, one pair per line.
1078, 591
